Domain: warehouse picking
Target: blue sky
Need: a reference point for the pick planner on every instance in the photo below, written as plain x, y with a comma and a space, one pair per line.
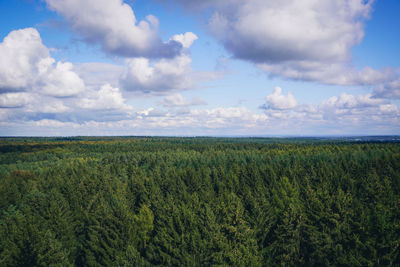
255, 67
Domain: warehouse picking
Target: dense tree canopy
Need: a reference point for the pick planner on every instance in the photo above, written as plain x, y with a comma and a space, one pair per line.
198, 202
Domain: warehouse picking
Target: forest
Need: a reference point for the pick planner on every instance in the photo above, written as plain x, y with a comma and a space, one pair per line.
169, 201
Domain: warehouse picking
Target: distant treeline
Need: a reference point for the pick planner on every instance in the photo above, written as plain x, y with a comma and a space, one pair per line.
145, 201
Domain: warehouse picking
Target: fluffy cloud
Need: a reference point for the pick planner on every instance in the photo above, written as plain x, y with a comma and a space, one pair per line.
33, 86
277, 100
186, 39
161, 76
26, 65
113, 25
158, 76
277, 31
301, 40
59, 80
107, 98
21, 51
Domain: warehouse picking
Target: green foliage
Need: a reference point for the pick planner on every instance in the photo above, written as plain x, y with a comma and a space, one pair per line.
148, 201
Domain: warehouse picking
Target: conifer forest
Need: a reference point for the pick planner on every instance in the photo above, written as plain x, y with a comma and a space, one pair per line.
169, 201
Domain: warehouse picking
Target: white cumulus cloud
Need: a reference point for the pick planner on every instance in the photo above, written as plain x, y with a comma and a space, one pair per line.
34, 86
277, 31
26, 65
104, 99
21, 51
165, 75
59, 80
186, 39
158, 76
307, 40
277, 100
113, 25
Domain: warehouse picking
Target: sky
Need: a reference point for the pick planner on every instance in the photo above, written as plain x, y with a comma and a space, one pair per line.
199, 68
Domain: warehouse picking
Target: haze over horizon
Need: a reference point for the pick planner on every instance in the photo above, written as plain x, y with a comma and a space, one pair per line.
180, 68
